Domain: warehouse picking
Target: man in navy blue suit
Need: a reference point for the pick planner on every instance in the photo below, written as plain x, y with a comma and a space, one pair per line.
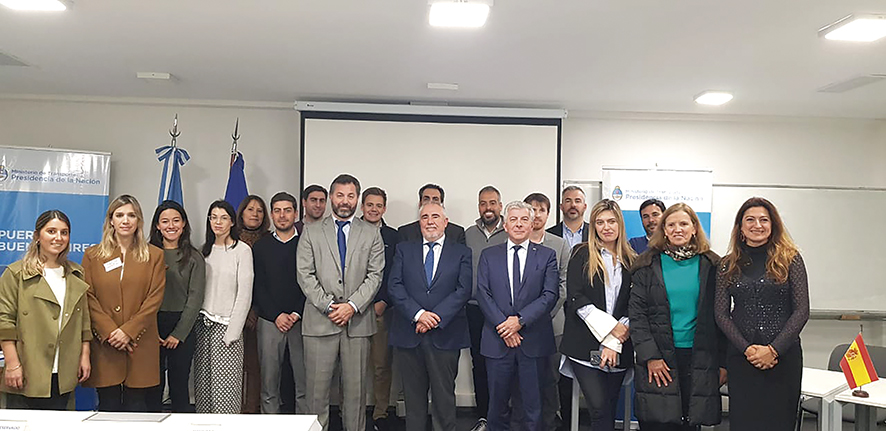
516, 290
429, 286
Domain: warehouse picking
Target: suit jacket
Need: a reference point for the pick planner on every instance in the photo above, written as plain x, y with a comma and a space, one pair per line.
578, 341
639, 243
563, 251
412, 232
130, 304
557, 229
533, 299
320, 275
390, 237
29, 314
447, 295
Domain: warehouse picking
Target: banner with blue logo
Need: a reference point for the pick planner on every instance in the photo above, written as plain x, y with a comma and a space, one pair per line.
33, 180
631, 187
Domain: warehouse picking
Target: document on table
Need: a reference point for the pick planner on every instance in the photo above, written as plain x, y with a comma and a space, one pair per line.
127, 417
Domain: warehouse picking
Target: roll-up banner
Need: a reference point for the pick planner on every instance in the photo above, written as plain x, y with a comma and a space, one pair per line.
34, 180
631, 187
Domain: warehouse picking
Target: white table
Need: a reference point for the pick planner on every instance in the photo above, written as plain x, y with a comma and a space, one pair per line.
76, 421
825, 385
866, 408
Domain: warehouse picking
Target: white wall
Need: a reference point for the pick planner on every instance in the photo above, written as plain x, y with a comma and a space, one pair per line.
739, 150
269, 141
819, 152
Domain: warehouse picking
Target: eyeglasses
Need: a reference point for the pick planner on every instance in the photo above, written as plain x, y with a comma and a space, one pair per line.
214, 218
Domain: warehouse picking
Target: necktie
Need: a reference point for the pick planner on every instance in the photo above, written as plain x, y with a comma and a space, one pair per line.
515, 283
429, 262
342, 243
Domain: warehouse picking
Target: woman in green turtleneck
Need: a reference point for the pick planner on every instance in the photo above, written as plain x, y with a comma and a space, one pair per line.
678, 344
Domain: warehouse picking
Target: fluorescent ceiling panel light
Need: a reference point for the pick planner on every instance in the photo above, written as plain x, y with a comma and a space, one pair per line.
35, 5
442, 86
856, 28
713, 98
459, 13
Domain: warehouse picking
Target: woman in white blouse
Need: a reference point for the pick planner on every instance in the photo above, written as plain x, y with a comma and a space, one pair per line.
218, 361
596, 346
43, 302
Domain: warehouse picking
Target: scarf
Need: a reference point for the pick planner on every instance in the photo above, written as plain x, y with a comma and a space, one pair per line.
682, 252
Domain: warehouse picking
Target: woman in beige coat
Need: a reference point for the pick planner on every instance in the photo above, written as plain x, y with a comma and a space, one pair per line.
127, 277
43, 303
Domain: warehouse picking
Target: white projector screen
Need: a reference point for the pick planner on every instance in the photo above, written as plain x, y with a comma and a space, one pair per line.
402, 153
461, 154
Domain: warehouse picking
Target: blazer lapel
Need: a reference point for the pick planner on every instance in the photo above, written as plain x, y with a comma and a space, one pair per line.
530, 265
44, 292
354, 238
444, 257
331, 234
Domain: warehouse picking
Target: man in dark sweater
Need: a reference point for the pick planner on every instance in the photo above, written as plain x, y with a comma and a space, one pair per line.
279, 303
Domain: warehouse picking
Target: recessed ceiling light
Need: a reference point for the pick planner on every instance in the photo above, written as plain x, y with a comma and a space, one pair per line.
153, 75
442, 86
35, 5
459, 13
713, 98
856, 28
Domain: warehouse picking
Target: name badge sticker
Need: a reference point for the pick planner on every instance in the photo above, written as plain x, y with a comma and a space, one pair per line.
113, 264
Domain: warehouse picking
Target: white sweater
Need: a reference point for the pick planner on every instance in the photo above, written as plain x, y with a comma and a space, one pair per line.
229, 287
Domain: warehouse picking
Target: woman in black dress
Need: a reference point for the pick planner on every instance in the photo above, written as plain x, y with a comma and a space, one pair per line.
765, 277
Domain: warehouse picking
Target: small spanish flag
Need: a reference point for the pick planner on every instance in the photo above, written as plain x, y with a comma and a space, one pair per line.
857, 365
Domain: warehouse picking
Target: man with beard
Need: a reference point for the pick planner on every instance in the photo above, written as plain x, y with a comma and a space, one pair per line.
375, 202
573, 229
313, 204
340, 264
426, 194
650, 213
430, 284
279, 304
487, 231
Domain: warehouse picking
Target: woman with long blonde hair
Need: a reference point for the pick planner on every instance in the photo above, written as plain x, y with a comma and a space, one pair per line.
127, 277
43, 302
596, 345
765, 278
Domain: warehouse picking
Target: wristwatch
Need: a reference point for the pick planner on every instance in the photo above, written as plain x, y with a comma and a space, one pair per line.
520, 320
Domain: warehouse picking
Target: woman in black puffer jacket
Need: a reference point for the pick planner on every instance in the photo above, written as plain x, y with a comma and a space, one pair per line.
680, 361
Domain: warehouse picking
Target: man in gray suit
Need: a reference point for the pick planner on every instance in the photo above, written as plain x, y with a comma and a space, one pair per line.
340, 262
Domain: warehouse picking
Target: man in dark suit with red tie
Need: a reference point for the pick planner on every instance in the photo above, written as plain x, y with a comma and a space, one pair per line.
429, 286
516, 289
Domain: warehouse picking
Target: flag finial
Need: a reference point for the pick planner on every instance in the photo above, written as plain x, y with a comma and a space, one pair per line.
235, 136
174, 131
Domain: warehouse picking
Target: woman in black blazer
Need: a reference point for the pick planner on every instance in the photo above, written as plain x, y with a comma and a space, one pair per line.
596, 345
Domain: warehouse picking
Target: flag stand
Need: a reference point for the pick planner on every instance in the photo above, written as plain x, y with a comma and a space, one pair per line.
860, 392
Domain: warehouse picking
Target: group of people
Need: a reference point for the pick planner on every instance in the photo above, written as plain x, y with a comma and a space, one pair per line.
343, 295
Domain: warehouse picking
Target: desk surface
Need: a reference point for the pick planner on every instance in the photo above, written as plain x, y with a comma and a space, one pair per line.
75, 421
822, 383
877, 391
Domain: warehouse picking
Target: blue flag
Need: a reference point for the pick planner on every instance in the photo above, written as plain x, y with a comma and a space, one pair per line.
236, 191
173, 189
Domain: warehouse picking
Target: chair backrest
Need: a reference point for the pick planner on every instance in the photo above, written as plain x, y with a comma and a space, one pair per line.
837, 356
878, 357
